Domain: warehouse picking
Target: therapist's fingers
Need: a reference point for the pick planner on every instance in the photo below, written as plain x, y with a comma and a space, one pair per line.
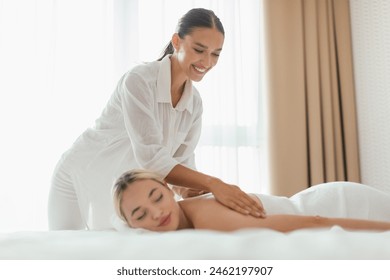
248, 205
258, 209
233, 197
255, 204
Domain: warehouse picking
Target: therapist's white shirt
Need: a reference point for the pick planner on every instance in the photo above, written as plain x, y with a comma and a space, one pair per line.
138, 128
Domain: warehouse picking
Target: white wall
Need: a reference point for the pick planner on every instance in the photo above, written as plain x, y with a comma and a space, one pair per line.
371, 53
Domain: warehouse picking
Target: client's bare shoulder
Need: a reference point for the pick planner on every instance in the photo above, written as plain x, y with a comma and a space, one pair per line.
198, 209
205, 212
199, 205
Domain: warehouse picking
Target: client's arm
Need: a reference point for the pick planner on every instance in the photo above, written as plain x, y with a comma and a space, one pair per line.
286, 223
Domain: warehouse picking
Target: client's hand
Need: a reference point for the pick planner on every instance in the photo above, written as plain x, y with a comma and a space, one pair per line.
233, 197
187, 192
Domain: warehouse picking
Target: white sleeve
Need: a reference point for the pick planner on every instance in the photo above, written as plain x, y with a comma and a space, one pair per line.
185, 154
138, 105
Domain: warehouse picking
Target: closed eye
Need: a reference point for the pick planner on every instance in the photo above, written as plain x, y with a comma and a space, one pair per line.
159, 198
142, 216
201, 51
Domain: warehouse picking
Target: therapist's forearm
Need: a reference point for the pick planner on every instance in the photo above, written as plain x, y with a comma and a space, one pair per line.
186, 177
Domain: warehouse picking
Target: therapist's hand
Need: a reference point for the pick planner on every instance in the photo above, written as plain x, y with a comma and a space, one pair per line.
234, 198
229, 195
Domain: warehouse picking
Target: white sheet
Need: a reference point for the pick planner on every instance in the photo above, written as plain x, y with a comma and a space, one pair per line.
125, 243
334, 243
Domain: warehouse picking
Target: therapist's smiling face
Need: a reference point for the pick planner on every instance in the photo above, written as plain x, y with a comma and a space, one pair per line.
150, 205
198, 52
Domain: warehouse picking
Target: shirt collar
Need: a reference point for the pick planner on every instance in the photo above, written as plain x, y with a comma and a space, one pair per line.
164, 87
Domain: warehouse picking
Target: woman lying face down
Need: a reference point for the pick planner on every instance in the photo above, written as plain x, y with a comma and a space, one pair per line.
143, 200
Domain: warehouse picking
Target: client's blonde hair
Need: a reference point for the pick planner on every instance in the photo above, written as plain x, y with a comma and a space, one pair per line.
125, 180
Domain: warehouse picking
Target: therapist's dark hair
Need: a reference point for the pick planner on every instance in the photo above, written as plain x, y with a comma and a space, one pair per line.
194, 18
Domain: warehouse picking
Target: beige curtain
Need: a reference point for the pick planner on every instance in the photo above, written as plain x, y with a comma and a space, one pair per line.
310, 98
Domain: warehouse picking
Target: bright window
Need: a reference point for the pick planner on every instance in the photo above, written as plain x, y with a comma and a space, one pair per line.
60, 61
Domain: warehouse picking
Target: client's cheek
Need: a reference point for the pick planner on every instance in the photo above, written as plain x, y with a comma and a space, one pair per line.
135, 224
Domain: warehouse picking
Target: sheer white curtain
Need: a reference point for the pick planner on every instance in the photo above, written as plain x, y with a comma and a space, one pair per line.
59, 62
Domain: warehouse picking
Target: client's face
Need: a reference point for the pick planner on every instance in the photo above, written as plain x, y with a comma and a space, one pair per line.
150, 205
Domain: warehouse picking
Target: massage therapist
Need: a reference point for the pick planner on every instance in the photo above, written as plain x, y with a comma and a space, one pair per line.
153, 121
